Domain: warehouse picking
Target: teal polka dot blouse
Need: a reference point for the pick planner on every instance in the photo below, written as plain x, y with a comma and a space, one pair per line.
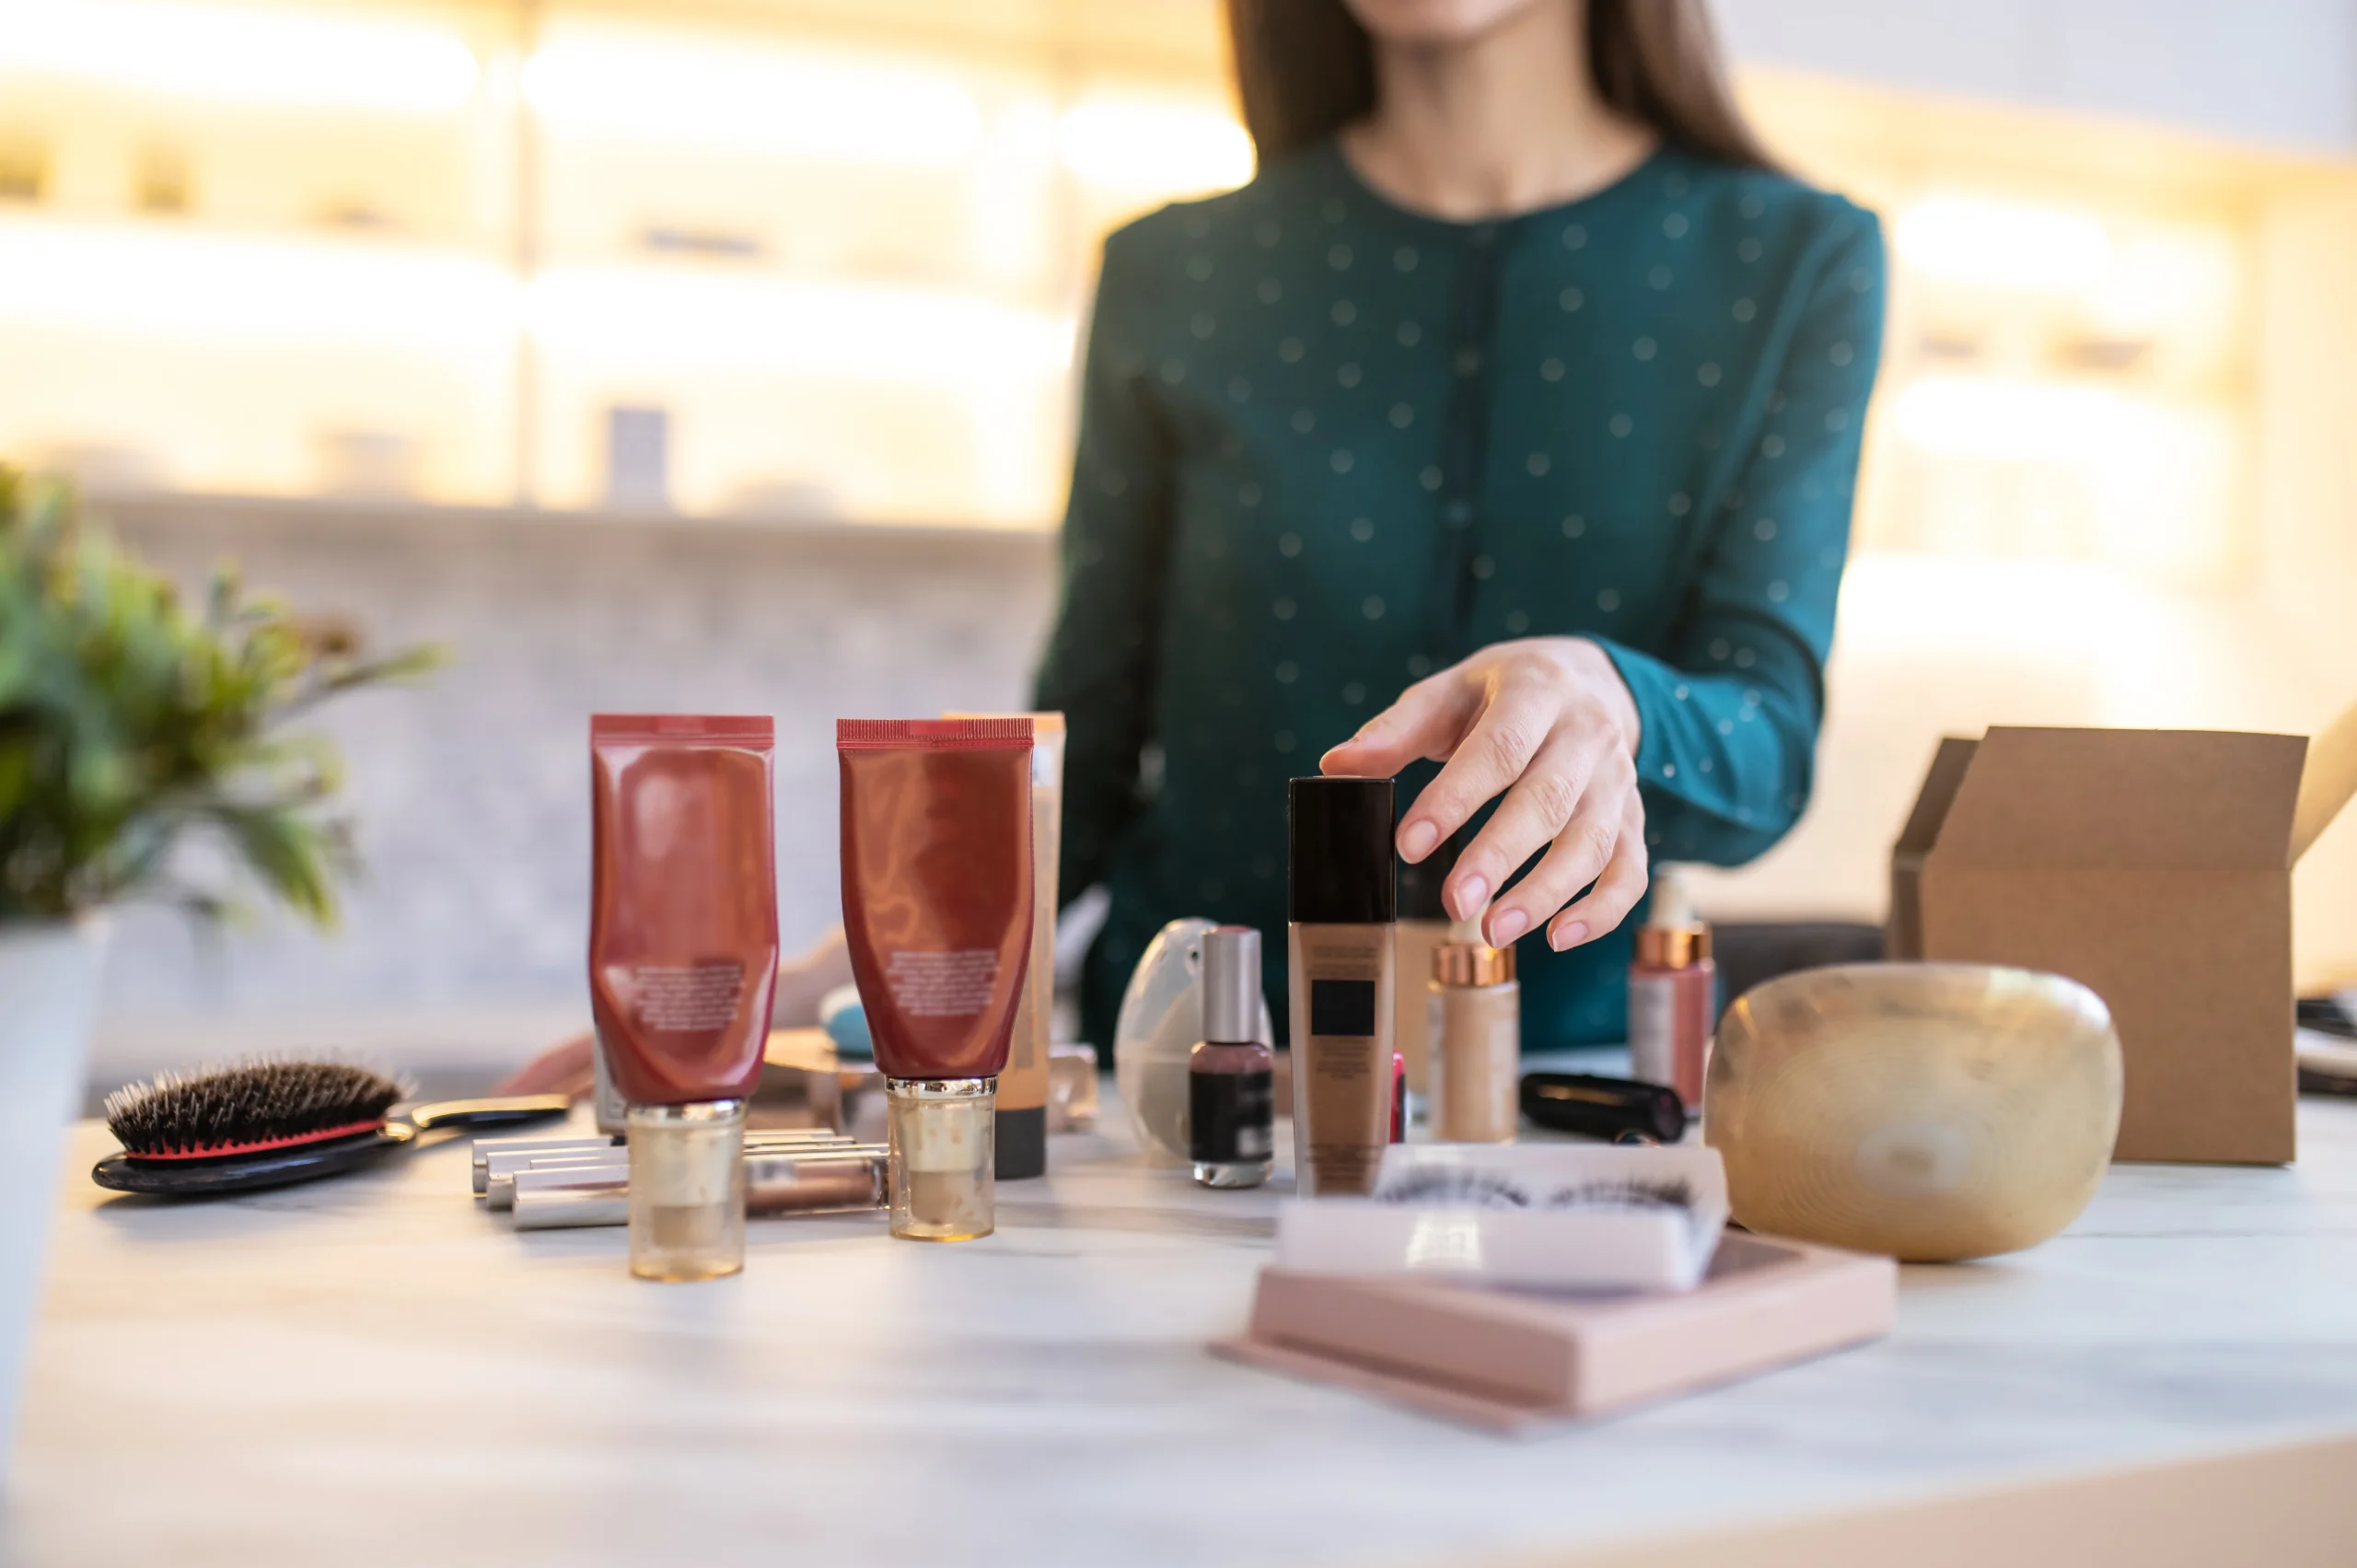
1328, 445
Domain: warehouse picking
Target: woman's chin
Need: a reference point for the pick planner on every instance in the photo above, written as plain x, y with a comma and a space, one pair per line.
1427, 24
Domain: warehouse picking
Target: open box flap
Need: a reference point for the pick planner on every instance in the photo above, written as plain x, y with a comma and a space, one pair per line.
1932, 802
2329, 781
2205, 800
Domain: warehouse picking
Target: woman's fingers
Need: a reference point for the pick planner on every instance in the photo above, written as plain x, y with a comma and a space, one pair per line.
1582, 848
1617, 889
1425, 722
1532, 813
1513, 724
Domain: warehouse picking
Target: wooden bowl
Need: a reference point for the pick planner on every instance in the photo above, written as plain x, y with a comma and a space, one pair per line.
1928, 1111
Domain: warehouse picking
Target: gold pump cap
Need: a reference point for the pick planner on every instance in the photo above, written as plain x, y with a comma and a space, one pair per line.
1673, 936
1672, 947
1471, 963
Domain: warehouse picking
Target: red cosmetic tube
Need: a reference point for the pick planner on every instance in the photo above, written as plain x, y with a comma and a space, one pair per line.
683, 952
936, 879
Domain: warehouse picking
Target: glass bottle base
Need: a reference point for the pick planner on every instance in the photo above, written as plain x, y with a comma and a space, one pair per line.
1238, 1173
940, 1233
942, 1157
687, 1191
685, 1274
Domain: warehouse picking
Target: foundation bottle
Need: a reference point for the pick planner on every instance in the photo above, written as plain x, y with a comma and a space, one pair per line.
1673, 990
1342, 904
1474, 1011
1019, 1134
1231, 1097
1422, 926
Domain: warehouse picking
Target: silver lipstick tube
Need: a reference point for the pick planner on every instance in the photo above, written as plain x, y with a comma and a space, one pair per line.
831, 1181
499, 1193
487, 1147
497, 1156
499, 1186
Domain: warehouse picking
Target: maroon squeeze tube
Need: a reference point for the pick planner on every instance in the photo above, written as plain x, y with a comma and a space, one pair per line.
936, 874
683, 903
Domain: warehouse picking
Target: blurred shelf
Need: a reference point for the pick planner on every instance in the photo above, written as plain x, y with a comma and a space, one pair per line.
145, 509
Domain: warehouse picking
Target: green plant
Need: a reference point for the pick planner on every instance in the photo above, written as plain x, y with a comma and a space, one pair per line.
130, 727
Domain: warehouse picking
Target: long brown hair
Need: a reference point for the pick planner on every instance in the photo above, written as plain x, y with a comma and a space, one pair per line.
1305, 68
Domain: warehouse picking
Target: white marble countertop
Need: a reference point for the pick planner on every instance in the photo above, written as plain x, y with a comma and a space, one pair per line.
372, 1369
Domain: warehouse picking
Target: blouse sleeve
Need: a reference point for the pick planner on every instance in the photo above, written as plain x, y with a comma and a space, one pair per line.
1730, 715
1099, 669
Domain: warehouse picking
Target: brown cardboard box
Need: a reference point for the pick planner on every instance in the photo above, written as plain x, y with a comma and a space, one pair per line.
2154, 866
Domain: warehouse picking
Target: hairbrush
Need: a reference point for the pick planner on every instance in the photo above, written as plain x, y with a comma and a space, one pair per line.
1591, 1107
257, 1124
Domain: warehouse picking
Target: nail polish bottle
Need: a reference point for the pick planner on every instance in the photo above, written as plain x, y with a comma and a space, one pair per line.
1673, 992
1231, 1097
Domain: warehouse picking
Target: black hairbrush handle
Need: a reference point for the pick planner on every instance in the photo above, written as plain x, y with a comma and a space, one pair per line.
1591, 1107
495, 1110
308, 1162
250, 1173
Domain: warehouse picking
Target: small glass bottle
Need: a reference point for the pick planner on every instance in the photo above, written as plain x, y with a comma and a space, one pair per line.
1231, 1095
942, 1160
1476, 1007
687, 1189
1673, 989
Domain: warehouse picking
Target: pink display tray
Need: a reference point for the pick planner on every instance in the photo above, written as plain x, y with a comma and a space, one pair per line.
1518, 1362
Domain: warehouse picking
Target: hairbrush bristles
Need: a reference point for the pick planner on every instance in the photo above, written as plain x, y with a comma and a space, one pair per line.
248, 1108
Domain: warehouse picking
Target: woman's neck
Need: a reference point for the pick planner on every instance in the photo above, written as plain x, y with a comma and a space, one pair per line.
1505, 122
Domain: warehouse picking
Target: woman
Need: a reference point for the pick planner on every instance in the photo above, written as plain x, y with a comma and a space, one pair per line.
1518, 392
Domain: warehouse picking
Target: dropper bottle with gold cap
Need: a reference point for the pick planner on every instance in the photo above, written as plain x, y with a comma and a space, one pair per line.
1673, 986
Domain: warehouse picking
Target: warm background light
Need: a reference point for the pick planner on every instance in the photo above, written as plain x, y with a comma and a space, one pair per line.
639, 84
1155, 149
1962, 241
282, 55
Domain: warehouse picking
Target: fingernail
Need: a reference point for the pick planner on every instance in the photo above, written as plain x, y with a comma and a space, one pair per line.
1417, 839
1565, 937
1505, 925
1470, 895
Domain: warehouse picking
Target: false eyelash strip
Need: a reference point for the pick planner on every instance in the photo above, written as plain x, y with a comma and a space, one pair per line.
1629, 1194
1465, 1189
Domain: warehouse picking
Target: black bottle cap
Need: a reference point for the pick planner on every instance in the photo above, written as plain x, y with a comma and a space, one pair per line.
1339, 842
1420, 884
1019, 1143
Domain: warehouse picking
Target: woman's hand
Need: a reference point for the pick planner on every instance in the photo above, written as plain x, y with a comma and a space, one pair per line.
1547, 722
